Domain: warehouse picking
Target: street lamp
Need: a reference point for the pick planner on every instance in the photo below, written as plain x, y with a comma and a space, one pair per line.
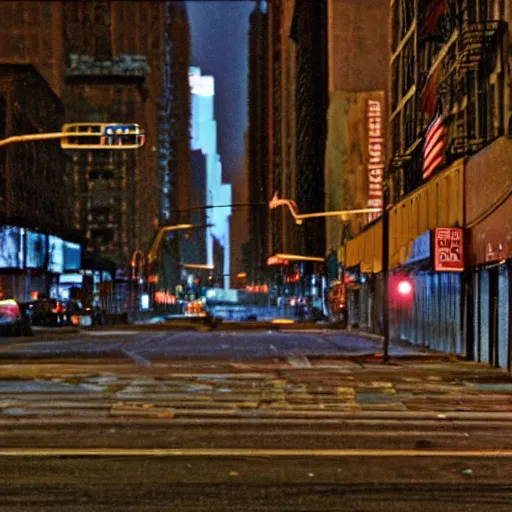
153, 251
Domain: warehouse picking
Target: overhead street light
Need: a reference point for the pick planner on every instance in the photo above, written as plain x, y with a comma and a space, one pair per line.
153, 252
89, 136
299, 217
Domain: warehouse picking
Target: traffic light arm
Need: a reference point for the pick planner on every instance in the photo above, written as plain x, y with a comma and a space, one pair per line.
299, 217
107, 136
43, 136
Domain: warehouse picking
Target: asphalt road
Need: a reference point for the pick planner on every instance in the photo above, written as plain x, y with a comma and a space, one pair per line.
151, 419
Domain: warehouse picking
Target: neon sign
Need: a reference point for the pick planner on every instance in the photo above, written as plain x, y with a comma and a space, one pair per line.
375, 157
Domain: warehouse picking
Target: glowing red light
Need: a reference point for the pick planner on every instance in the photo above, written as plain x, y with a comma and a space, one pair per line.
404, 287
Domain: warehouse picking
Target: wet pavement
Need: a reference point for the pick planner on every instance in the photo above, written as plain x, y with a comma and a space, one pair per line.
142, 419
322, 373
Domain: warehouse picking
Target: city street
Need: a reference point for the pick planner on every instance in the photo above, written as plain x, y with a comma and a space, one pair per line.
157, 419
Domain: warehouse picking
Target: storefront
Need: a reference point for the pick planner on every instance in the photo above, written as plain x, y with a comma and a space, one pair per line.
424, 299
32, 261
361, 259
489, 254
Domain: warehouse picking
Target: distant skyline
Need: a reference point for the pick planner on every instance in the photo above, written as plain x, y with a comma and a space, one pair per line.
219, 41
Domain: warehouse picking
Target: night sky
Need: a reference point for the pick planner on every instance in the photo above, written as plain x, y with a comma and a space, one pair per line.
219, 47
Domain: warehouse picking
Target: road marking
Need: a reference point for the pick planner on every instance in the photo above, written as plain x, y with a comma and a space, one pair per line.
137, 358
245, 452
110, 333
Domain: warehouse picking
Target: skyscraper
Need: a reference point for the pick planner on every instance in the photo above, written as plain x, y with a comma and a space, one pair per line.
204, 138
257, 145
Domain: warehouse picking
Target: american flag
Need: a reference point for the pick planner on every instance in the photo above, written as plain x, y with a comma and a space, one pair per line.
433, 10
433, 152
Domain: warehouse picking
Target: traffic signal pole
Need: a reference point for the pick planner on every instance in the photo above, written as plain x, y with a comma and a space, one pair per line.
385, 271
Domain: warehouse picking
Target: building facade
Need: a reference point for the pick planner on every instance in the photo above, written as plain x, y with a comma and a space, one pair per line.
180, 165
32, 32
115, 62
257, 146
356, 146
37, 243
309, 32
120, 73
450, 111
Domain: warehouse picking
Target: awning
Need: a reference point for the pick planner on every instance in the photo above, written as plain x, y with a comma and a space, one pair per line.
438, 203
364, 250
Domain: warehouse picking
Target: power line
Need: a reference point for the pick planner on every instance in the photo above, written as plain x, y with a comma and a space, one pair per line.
233, 205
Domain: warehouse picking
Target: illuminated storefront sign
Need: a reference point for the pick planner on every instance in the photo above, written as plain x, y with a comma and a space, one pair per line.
36, 249
56, 254
448, 252
11, 247
375, 157
257, 288
420, 249
72, 256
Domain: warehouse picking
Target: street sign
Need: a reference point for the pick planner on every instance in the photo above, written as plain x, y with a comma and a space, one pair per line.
107, 136
448, 252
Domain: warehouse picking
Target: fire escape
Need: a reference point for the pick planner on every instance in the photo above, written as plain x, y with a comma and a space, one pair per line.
475, 56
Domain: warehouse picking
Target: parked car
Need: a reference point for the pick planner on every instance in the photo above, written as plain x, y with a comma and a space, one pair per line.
14, 320
49, 312
78, 315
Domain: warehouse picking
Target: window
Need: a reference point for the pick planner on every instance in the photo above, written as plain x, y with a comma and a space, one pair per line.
396, 24
396, 83
408, 66
410, 123
102, 34
102, 237
408, 15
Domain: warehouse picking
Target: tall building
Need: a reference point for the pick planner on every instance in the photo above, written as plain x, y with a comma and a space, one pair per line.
257, 148
282, 124
178, 38
121, 71
309, 32
217, 193
117, 62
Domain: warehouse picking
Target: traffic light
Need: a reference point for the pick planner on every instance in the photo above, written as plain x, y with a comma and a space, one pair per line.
86, 136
